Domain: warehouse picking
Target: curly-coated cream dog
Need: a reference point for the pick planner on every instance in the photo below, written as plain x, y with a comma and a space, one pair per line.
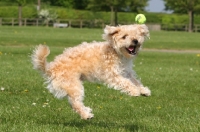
108, 62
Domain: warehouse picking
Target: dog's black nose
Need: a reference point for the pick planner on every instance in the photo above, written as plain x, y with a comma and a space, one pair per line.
135, 41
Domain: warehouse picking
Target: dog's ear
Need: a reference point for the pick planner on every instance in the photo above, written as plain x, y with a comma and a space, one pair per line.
144, 31
109, 31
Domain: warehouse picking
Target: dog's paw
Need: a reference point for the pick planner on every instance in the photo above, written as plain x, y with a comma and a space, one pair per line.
88, 109
134, 92
145, 91
86, 113
87, 116
90, 116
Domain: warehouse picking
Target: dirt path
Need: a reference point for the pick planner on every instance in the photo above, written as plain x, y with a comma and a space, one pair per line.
172, 51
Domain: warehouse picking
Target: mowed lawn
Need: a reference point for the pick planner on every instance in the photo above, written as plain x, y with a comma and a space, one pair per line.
26, 106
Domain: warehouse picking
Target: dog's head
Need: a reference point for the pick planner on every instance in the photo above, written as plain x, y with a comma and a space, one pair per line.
127, 40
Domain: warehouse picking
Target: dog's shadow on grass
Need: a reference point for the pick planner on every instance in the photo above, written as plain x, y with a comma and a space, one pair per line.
103, 124
96, 124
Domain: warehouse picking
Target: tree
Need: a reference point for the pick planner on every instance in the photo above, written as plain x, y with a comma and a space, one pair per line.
20, 4
80, 4
63, 3
76, 4
117, 5
184, 6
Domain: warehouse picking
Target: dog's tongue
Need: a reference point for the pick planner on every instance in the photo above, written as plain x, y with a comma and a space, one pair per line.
131, 48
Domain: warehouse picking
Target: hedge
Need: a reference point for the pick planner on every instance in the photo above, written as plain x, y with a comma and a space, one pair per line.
123, 17
12, 12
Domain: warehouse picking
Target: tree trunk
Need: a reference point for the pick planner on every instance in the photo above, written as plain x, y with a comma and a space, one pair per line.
38, 6
116, 19
20, 15
112, 15
191, 20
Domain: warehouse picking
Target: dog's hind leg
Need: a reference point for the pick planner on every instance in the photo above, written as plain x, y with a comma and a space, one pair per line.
75, 97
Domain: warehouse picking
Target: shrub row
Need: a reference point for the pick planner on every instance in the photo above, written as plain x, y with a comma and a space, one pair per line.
12, 12
63, 13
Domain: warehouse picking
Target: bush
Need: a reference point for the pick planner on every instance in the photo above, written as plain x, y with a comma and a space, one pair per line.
29, 12
12, 12
154, 17
175, 19
8, 11
123, 17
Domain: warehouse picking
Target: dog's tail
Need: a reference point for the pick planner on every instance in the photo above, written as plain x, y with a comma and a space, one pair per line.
39, 57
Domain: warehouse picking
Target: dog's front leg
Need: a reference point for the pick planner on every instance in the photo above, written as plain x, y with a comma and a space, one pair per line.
143, 90
124, 85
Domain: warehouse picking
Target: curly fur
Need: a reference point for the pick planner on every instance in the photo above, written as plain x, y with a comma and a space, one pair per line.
108, 62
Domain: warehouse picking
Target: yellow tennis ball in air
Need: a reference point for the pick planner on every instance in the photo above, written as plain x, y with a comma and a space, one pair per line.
140, 19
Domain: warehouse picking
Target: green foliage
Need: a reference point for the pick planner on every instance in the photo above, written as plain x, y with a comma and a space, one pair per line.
8, 11
119, 5
115, 6
80, 4
175, 19
136, 5
62, 3
30, 11
128, 17
75, 4
12, 12
183, 6
18, 2
154, 17
197, 19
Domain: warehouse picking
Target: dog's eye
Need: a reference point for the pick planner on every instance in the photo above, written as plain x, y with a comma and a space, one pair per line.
124, 37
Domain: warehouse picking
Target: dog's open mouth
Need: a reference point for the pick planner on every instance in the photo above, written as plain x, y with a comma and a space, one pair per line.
132, 50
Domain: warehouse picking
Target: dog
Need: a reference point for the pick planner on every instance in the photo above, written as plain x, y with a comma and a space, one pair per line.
109, 62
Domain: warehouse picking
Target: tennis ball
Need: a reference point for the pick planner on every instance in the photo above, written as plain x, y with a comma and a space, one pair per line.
140, 19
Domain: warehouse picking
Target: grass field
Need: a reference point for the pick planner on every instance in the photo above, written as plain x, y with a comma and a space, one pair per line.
26, 106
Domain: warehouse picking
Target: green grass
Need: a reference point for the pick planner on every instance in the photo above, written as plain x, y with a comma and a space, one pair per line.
26, 106
27, 36
174, 40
